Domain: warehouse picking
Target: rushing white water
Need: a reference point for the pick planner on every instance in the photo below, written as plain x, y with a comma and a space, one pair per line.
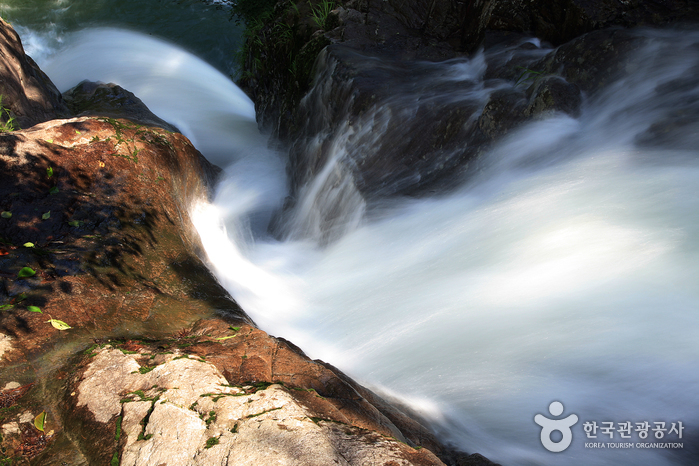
565, 271
179, 87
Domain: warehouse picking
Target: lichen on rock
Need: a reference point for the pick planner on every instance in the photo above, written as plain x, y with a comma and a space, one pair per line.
183, 411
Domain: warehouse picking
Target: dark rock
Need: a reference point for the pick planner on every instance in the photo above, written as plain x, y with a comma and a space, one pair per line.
561, 21
110, 100
436, 30
401, 133
504, 110
677, 128
593, 60
552, 94
26, 91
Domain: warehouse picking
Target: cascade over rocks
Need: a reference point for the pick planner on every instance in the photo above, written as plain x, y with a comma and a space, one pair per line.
159, 364
373, 51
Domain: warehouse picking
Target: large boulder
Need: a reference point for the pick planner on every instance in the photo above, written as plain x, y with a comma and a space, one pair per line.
373, 60
280, 51
221, 394
27, 93
110, 100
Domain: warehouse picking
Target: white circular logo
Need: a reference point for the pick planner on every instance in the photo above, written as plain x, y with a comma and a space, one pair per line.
548, 426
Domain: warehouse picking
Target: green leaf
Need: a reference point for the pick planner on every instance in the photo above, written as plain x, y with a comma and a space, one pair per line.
34, 309
6, 214
28, 245
59, 324
26, 272
53, 190
74, 223
50, 141
77, 132
226, 338
40, 420
46, 215
6, 307
21, 297
49, 172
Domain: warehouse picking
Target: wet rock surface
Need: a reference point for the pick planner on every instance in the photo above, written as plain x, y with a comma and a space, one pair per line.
281, 53
369, 52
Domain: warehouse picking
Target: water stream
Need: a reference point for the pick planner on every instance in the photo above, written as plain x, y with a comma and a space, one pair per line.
566, 270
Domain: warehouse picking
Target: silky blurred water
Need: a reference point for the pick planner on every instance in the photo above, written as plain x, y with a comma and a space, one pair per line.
564, 270
203, 27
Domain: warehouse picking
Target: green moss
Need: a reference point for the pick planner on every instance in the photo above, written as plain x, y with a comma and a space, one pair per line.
263, 412
119, 127
117, 435
211, 442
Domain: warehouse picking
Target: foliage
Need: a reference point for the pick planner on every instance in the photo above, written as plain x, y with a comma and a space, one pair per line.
320, 12
26, 272
59, 324
7, 121
528, 76
117, 434
40, 421
211, 442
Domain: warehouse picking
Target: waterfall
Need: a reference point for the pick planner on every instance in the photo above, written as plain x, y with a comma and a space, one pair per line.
564, 270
